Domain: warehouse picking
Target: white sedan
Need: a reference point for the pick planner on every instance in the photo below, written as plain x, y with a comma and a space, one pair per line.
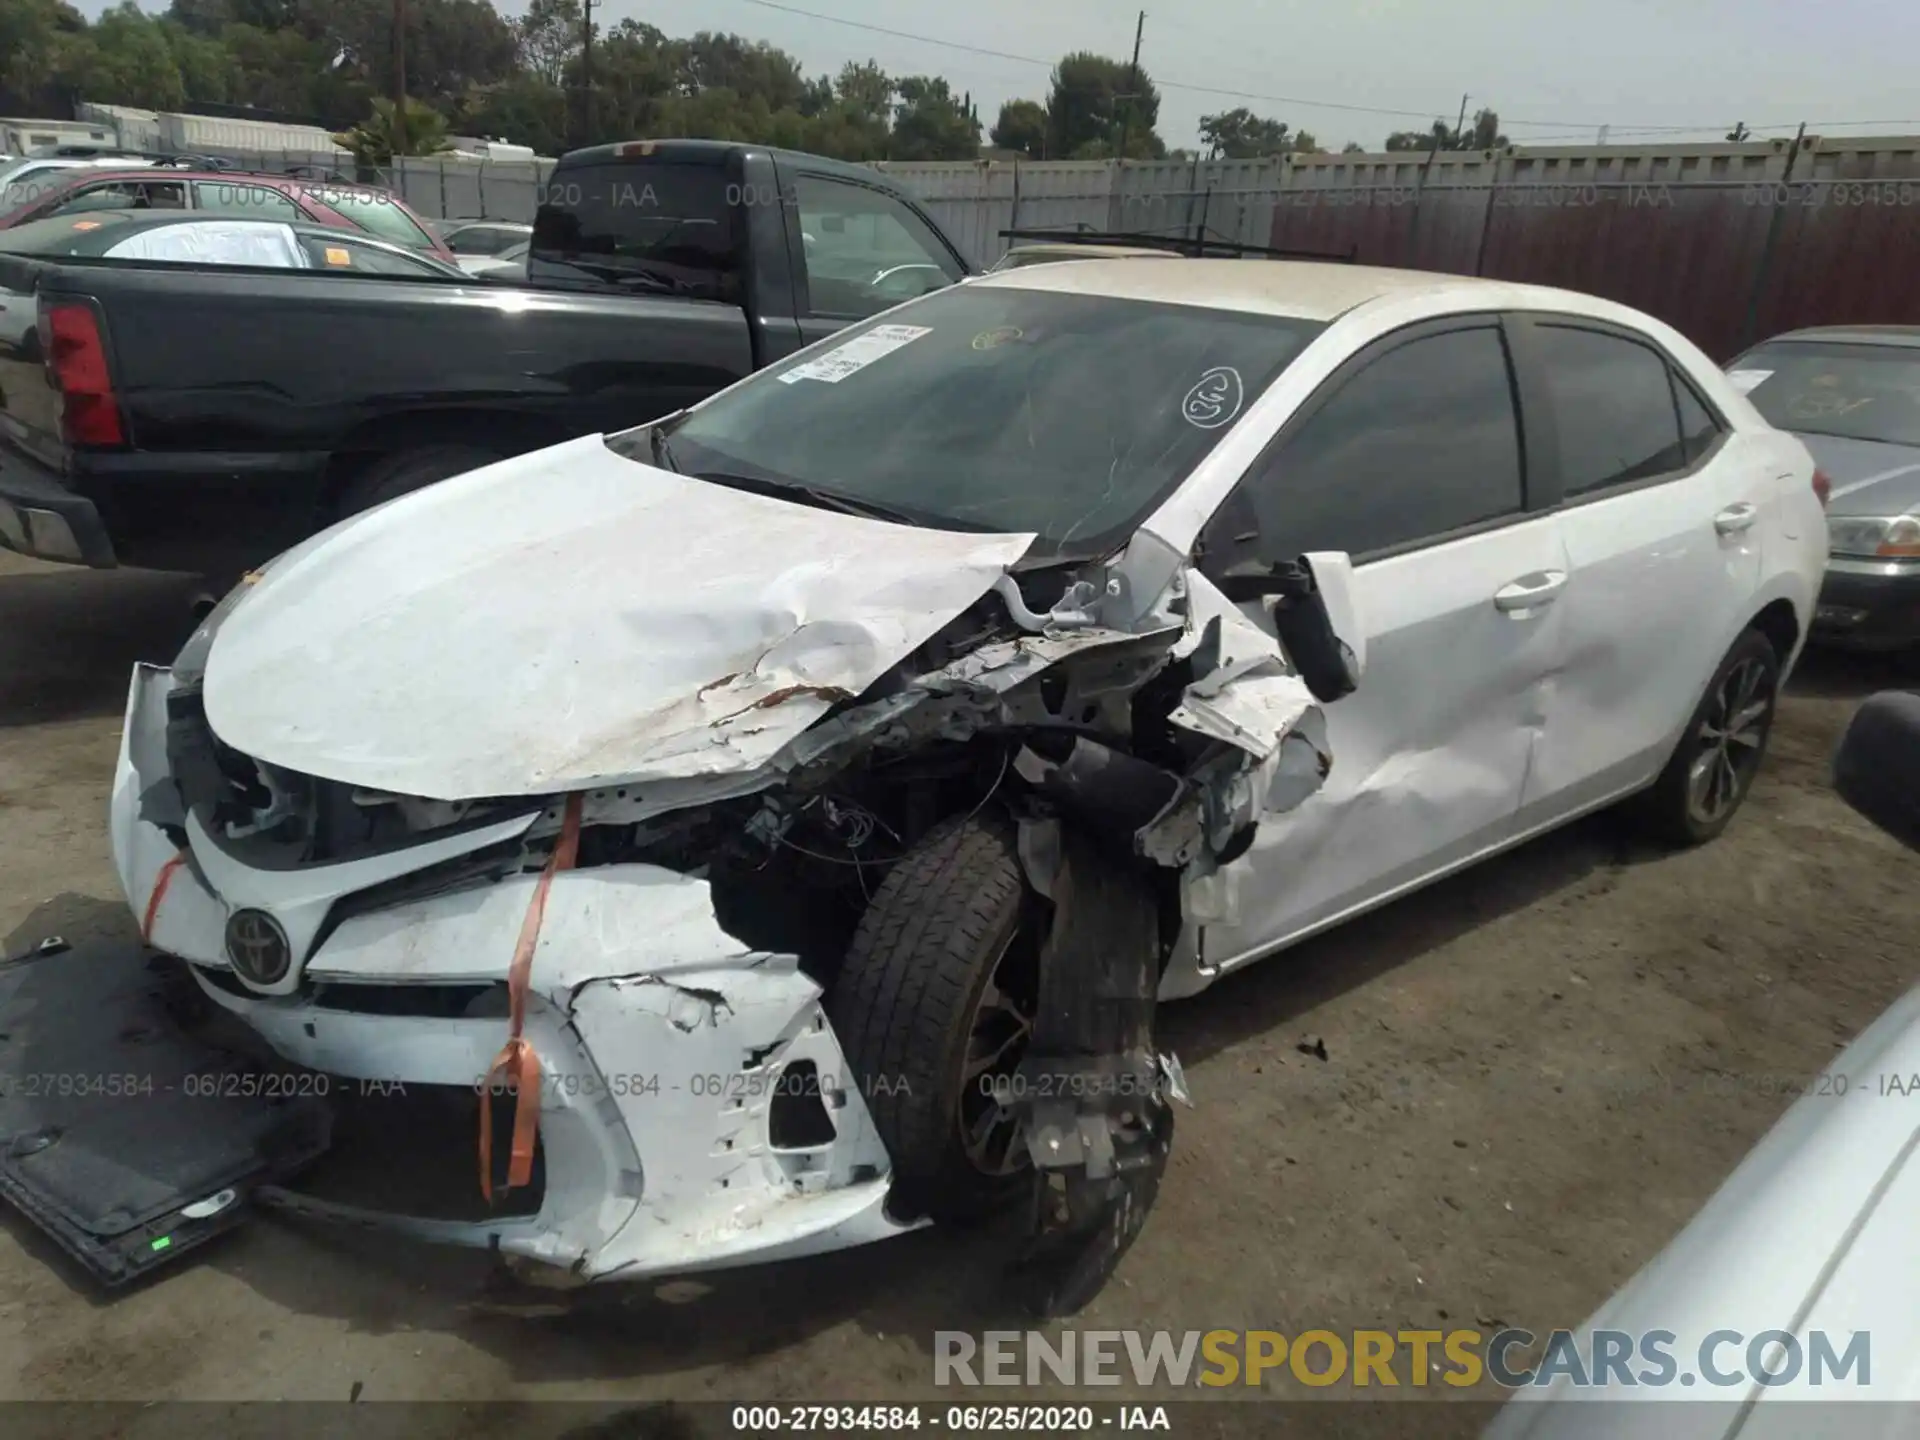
798, 805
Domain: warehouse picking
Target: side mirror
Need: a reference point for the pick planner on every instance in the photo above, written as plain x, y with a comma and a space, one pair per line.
1315, 615
1876, 768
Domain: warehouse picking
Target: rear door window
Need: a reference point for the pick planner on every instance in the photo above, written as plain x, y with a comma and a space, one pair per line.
1614, 413
123, 195
648, 226
248, 202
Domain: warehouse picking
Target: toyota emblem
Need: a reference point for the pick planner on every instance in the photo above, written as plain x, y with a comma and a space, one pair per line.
258, 947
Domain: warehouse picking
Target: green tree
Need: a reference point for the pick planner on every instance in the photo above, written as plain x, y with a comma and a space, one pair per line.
1482, 134
547, 39
1353, 147
932, 123
372, 140
526, 110
207, 71
1239, 134
864, 92
1022, 126
1094, 102
1739, 132
132, 61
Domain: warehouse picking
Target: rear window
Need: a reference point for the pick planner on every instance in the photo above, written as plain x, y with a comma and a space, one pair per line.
647, 226
376, 214
1857, 392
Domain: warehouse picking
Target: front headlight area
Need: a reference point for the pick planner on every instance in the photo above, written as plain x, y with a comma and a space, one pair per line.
1891, 537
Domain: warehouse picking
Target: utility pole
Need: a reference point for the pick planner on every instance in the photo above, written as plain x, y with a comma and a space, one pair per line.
399, 136
586, 72
1133, 79
1461, 124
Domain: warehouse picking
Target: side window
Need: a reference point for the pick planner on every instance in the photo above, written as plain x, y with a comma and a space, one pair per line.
1422, 441
1613, 408
1699, 431
124, 195
251, 202
866, 252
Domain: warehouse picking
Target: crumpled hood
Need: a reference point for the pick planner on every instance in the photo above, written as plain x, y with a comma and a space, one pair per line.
571, 618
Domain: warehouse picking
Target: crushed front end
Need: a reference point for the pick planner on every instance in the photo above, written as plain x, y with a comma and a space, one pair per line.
681, 934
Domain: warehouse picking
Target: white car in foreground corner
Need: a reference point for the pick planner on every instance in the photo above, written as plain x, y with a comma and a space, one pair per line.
813, 792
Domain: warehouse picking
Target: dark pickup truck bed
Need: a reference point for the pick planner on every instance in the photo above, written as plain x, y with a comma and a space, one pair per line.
203, 418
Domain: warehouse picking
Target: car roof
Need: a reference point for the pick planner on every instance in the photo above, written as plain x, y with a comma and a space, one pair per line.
715, 152
1069, 247
1897, 335
1296, 289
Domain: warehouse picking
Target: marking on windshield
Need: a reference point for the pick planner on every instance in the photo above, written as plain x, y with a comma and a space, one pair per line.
994, 339
1215, 399
1748, 380
856, 354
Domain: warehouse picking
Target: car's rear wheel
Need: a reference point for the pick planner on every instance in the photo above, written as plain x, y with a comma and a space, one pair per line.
1712, 769
934, 1007
407, 470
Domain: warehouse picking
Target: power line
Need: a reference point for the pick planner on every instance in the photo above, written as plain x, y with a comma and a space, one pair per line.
1570, 126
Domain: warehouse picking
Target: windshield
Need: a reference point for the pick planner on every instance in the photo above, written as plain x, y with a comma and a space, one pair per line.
376, 214
996, 408
1857, 392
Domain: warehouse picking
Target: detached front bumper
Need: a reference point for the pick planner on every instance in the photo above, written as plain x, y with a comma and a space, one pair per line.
696, 1109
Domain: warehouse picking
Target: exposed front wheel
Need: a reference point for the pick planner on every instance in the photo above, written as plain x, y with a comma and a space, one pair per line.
935, 1006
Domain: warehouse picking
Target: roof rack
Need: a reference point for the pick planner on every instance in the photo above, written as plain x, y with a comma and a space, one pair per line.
1194, 247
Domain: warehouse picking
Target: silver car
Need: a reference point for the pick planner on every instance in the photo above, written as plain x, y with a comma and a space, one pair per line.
1852, 395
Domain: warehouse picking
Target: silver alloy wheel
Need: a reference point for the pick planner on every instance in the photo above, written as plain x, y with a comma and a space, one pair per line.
1730, 738
997, 1039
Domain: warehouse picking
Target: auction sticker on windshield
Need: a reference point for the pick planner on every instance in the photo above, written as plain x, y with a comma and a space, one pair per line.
856, 354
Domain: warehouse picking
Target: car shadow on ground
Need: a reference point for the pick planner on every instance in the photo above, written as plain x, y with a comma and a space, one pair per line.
1825, 674
71, 635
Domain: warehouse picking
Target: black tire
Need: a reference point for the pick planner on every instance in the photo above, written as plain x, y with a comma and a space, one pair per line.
904, 1007
1670, 810
408, 470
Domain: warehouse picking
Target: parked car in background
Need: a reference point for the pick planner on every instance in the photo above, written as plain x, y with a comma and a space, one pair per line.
32, 178
509, 264
1852, 394
1053, 252
483, 237
193, 237
293, 200
1089, 559
205, 417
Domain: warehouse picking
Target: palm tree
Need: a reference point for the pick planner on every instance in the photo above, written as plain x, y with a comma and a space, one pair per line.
371, 141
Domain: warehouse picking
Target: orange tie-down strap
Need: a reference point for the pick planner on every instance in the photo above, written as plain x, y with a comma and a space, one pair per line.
516, 1067
158, 894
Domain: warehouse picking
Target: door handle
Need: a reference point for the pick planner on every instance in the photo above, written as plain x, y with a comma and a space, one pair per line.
1736, 517
1530, 592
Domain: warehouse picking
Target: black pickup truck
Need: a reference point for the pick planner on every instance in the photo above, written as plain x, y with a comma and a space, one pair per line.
203, 417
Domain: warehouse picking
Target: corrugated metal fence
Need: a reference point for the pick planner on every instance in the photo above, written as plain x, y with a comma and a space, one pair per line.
1725, 242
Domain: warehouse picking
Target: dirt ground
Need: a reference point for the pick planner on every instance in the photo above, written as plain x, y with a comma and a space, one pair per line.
1534, 1074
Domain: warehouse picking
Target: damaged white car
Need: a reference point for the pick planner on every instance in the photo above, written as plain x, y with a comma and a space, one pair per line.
785, 817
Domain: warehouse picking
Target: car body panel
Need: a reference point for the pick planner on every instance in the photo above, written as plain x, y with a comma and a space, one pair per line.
1812, 1231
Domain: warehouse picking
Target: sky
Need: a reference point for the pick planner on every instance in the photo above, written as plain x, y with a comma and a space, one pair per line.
1555, 70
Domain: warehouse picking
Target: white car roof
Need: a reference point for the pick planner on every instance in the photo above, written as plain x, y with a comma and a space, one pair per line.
1305, 290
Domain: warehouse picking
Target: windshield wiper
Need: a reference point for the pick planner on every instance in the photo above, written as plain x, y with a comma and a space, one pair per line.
806, 494
662, 456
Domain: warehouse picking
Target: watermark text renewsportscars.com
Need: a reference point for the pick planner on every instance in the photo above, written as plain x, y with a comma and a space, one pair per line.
1378, 1359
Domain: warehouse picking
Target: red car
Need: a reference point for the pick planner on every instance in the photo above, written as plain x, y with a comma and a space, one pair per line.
218, 192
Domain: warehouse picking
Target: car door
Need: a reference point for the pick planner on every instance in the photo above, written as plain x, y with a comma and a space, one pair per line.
1411, 459
1660, 512
861, 250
